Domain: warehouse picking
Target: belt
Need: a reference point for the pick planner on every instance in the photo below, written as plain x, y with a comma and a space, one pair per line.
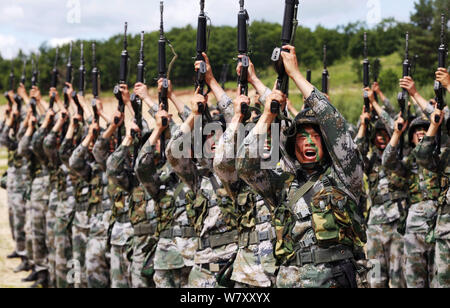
252, 238
213, 267
218, 240
82, 207
123, 218
145, 228
316, 256
173, 232
379, 200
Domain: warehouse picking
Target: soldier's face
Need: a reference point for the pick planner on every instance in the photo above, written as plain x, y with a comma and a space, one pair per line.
309, 148
418, 135
381, 139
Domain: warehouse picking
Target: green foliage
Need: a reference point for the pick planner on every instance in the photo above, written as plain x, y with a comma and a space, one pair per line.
389, 81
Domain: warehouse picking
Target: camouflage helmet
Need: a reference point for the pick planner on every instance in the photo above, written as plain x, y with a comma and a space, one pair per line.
415, 124
379, 125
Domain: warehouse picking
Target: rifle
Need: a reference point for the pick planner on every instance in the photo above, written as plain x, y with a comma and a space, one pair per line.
24, 71
202, 38
289, 29
95, 89
54, 80
366, 78
325, 73
242, 43
402, 97
308, 75
34, 81
122, 80
69, 68
81, 84
376, 73
438, 88
136, 101
10, 86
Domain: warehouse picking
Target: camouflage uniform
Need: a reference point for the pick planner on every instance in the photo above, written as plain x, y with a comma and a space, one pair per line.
388, 198
426, 157
255, 263
39, 200
65, 212
176, 239
99, 212
122, 229
424, 189
318, 218
17, 187
210, 210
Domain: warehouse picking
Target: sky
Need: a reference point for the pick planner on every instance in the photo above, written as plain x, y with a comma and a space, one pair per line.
26, 24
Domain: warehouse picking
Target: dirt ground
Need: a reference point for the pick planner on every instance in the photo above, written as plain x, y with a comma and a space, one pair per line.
8, 279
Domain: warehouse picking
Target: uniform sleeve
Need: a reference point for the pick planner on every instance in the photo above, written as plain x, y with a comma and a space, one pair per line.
185, 113
6, 139
391, 162
183, 166
78, 162
343, 151
426, 156
101, 152
265, 182
65, 151
225, 162
115, 168
37, 145
226, 107
388, 107
50, 146
24, 148
146, 170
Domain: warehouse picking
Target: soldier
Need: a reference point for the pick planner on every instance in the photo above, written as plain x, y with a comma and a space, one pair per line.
255, 263
13, 130
319, 225
388, 197
33, 141
122, 228
428, 158
424, 189
176, 239
99, 209
73, 189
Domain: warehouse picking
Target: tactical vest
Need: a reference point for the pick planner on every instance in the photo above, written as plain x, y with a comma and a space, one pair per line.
424, 185
248, 206
395, 185
325, 216
82, 195
198, 206
138, 206
118, 195
96, 190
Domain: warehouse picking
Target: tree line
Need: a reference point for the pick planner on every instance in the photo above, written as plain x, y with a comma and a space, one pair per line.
342, 42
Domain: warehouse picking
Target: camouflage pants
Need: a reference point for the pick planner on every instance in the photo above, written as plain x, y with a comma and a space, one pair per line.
172, 279
39, 203
442, 264
140, 243
120, 267
28, 232
202, 278
80, 234
63, 252
419, 260
10, 190
19, 213
50, 218
97, 256
307, 276
385, 250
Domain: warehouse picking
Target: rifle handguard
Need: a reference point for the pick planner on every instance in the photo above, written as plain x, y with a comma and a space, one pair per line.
244, 108
275, 107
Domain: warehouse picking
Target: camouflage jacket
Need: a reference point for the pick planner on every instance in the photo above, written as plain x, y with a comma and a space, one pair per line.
426, 156
210, 210
319, 216
385, 188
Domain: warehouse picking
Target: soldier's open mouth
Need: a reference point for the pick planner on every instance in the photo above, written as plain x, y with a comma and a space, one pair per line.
310, 154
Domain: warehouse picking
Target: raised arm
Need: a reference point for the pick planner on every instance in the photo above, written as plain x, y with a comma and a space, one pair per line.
390, 155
